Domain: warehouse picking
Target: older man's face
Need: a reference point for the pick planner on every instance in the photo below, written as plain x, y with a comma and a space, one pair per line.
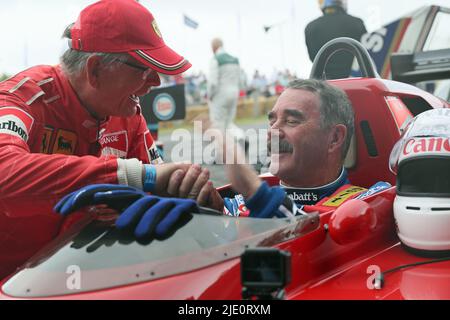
120, 88
295, 122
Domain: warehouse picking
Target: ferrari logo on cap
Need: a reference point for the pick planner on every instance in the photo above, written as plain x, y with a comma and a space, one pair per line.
156, 29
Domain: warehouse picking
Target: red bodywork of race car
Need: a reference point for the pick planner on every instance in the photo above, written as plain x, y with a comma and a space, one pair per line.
338, 259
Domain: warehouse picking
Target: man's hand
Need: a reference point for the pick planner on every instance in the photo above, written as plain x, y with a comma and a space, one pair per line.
209, 197
242, 177
187, 181
169, 176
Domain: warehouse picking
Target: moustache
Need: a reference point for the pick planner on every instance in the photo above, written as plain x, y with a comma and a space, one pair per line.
283, 147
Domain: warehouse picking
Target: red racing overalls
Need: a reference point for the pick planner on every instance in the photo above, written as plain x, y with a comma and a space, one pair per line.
50, 146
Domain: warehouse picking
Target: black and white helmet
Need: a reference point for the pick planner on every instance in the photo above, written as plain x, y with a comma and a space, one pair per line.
421, 160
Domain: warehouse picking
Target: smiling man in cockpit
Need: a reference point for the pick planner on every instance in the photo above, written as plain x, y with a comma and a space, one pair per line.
311, 127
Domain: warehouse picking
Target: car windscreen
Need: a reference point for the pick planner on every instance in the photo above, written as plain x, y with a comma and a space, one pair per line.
99, 256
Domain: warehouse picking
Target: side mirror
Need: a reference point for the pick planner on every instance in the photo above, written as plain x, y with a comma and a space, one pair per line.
352, 221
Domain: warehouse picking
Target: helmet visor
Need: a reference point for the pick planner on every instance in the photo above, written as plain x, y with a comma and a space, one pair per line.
424, 177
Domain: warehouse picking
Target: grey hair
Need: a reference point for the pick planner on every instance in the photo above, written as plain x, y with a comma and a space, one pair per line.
73, 61
335, 107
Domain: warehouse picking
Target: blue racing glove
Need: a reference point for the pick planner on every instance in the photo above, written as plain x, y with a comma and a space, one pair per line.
153, 216
115, 196
146, 215
269, 202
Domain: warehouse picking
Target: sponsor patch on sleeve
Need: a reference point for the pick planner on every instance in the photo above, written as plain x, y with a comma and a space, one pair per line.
153, 153
16, 122
235, 206
115, 143
46, 139
65, 142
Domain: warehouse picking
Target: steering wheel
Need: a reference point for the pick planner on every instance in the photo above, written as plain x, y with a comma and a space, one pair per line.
365, 62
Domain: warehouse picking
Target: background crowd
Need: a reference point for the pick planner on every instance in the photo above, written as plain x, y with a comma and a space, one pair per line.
258, 84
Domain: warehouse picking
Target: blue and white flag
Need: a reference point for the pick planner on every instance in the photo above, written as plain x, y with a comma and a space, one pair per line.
190, 22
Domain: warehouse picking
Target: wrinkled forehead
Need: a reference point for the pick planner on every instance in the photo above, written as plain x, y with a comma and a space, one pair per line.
304, 101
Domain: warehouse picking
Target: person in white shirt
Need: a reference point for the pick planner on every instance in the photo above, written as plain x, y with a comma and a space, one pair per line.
224, 82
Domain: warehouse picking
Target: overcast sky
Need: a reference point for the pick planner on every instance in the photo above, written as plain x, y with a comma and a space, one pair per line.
30, 30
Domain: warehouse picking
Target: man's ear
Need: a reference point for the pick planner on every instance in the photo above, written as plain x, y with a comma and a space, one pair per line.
337, 138
92, 71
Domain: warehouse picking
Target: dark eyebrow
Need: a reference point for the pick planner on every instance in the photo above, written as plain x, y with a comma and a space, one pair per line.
271, 115
294, 113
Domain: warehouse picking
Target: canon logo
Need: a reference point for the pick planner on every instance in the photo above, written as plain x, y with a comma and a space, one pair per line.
109, 139
426, 145
12, 126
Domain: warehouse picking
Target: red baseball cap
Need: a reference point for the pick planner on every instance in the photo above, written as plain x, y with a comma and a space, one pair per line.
116, 26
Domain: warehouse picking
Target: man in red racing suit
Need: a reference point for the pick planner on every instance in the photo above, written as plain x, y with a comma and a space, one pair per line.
43, 125
80, 123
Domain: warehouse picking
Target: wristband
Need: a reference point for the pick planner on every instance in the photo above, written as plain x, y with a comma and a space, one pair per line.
150, 178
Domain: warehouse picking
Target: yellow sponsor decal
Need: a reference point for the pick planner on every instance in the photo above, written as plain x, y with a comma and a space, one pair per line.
46, 139
65, 142
338, 199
